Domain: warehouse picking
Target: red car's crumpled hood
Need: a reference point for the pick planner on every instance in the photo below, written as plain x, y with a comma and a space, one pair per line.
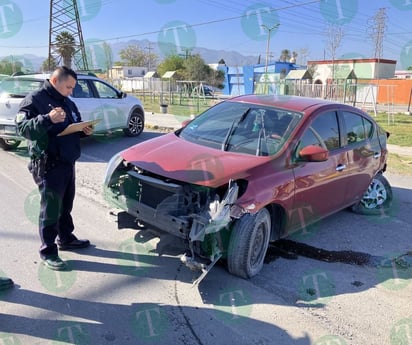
178, 159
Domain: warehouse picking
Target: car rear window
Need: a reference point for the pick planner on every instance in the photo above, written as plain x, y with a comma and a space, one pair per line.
20, 86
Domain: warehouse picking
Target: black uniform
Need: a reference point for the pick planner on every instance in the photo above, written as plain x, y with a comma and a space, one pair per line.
52, 163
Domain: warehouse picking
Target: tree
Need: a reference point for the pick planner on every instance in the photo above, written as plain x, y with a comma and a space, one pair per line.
334, 35
49, 64
9, 66
65, 44
133, 55
196, 69
285, 55
172, 63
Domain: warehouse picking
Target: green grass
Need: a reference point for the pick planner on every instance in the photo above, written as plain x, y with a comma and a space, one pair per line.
399, 126
184, 106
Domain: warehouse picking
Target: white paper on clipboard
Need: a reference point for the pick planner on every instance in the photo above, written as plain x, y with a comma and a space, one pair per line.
77, 127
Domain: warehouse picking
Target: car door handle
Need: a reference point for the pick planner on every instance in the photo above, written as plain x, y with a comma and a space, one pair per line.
377, 154
341, 167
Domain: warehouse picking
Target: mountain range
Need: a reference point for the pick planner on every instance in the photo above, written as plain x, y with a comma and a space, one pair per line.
210, 56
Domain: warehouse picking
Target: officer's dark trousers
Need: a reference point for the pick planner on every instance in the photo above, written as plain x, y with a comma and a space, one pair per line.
57, 190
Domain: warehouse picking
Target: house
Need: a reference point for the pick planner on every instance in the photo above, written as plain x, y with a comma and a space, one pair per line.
326, 71
122, 72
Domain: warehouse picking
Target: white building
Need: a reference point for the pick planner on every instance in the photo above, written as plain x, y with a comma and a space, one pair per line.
324, 71
122, 72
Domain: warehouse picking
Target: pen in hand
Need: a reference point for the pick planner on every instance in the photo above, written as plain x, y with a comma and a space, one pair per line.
57, 114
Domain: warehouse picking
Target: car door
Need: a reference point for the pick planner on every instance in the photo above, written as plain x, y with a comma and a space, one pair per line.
88, 104
363, 154
115, 108
320, 187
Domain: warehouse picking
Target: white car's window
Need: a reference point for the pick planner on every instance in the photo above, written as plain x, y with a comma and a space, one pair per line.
104, 90
82, 90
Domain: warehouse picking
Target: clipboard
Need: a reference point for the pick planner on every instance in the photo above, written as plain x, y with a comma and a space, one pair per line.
77, 127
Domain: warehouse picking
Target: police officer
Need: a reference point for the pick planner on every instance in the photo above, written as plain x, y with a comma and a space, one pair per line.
42, 116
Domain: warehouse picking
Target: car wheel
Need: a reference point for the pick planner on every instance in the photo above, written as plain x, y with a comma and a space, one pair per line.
135, 124
377, 199
9, 144
248, 244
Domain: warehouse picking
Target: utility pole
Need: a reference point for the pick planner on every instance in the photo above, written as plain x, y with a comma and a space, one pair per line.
269, 30
64, 17
149, 48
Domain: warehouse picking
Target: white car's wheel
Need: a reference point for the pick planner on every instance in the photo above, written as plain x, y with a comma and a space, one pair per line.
135, 124
9, 144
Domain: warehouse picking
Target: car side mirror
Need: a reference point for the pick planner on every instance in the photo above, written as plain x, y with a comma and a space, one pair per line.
314, 153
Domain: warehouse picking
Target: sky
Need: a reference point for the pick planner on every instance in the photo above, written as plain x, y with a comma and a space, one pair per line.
247, 27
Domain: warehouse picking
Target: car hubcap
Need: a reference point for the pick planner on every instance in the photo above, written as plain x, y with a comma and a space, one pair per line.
375, 195
258, 246
135, 124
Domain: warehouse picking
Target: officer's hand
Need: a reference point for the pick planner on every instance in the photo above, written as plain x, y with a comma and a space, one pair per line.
88, 130
57, 115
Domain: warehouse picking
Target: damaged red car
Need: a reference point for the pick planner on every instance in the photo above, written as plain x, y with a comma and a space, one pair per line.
251, 170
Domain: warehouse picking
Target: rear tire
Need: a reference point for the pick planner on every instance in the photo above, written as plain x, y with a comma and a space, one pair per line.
9, 144
377, 199
248, 244
135, 124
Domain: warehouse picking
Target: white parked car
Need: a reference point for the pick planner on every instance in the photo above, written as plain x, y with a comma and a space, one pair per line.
95, 98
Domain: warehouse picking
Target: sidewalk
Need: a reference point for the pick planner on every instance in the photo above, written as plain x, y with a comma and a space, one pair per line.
169, 122
164, 122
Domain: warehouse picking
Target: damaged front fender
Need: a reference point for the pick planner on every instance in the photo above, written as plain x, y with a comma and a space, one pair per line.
217, 217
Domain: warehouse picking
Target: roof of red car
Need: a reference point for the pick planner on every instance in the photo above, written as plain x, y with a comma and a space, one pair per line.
293, 103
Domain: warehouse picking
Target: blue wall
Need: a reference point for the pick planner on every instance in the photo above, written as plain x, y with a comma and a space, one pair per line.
241, 80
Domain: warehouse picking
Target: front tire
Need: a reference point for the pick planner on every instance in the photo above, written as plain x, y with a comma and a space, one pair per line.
248, 244
9, 144
135, 124
377, 199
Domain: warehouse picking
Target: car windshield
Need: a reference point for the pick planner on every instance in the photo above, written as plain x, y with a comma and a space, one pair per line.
16, 87
242, 127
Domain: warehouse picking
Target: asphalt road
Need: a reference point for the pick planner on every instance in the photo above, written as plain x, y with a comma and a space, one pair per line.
353, 286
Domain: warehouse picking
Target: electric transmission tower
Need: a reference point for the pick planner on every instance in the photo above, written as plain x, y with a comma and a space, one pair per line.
377, 28
65, 23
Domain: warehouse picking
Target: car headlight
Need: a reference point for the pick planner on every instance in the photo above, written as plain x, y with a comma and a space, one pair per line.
114, 162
